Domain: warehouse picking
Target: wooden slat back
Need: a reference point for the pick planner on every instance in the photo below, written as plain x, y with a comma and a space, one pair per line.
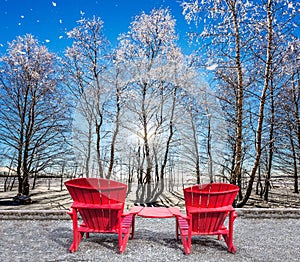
98, 191
207, 222
210, 195
105, 220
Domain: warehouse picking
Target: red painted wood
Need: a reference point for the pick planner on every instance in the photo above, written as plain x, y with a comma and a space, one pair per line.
207, 207
100, 203
155, 212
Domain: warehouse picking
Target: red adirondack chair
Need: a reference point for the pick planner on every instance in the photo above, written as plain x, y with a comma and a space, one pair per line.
100, 203
207, 207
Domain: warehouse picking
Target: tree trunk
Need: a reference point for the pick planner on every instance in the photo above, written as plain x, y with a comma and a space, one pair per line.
210, 172
271, 144
98, 146
166, 155
195, 142
88, 153
261, 106
116, 131
294, 156
295, 96
239, 99
146, 143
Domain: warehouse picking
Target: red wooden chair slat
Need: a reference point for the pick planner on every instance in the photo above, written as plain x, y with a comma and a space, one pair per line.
207, 207
100, 203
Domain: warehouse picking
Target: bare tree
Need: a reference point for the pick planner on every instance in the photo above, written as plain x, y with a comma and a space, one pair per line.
274, 33
116, 112
243, 48
226, 31
288, 118
33, 115
151, 58
85, 61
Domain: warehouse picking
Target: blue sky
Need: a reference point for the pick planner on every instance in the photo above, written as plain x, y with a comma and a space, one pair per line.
49, 20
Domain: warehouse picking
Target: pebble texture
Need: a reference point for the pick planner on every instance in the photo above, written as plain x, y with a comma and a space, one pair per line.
49, 240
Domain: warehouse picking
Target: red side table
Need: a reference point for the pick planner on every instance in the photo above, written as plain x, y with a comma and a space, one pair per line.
153, 212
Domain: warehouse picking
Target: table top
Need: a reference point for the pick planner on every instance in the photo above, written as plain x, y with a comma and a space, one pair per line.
155, 212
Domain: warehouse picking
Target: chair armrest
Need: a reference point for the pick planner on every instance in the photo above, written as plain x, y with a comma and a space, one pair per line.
235, 214
70, 211
192, 210
126, 214
135, 210
181, 216
116, 206
176, 212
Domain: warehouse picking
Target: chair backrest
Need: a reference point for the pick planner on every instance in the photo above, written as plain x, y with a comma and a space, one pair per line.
100, 202
210, 195
96, 191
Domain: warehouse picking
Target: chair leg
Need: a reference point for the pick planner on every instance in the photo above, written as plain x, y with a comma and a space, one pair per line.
132, 226
185, 234
123, 241
76, 240
186, 246
77, 236
124, 232
229, 237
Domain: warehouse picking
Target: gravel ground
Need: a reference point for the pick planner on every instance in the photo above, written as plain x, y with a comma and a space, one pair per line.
49, 240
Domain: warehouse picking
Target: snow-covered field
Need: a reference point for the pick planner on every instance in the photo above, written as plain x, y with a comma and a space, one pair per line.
48, 195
